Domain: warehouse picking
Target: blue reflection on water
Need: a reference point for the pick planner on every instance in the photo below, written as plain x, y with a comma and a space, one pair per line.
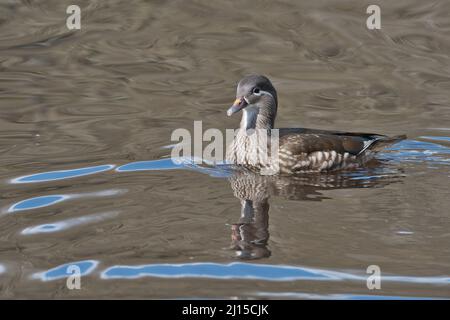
421, 145
418, 151
236, 270
162, 164
45, 201
37, 202
375, 297
62, 174
2, 269
302, 295
45, 228
214, 170
242, 270
63, 271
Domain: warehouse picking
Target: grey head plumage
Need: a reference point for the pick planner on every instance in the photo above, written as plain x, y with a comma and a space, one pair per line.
257, 98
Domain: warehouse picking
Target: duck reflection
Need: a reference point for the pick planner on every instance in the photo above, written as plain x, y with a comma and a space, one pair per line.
250, 235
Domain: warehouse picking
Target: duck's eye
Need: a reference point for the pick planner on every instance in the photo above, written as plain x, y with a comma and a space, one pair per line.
256, 91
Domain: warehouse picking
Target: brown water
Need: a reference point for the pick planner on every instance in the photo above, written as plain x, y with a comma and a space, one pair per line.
112, 93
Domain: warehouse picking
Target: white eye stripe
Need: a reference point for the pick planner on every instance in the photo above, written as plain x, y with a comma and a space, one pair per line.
264, 92
261, 92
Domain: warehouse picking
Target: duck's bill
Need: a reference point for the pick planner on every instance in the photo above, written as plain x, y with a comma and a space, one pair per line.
237, 106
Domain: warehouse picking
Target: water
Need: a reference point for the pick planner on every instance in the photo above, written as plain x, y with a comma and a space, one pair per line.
85, 175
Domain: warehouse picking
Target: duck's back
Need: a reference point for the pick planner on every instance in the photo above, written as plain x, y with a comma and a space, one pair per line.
305, 149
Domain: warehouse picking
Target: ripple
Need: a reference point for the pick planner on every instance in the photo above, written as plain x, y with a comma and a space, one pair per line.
404, 232
242, 270
367, 176
45, 43
66, 224
99, 109
62, 271
437, 138
62, 174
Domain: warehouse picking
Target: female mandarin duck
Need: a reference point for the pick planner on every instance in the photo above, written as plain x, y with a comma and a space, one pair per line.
299, 149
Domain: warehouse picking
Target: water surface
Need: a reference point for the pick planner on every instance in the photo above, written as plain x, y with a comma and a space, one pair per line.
86, 179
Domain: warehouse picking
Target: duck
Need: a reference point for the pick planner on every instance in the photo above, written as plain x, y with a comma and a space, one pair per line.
298, 150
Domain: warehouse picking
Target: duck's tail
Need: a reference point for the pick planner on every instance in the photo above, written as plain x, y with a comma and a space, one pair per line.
383, 142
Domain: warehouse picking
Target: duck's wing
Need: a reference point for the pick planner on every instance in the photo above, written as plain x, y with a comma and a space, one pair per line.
366, 136
310, 149
352, 142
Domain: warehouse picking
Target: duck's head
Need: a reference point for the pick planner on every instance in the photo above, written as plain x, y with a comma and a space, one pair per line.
257, 97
